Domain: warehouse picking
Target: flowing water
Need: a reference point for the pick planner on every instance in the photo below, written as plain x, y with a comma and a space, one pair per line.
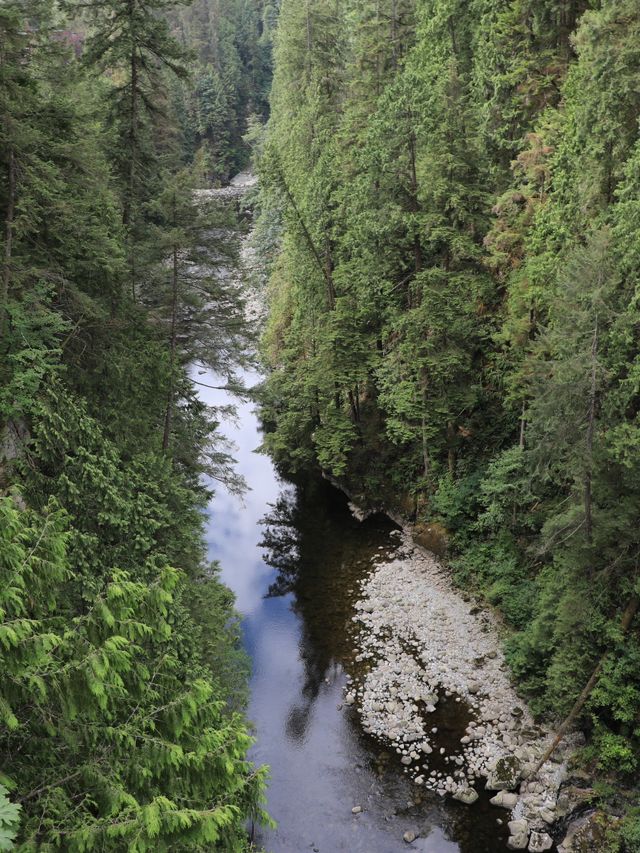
293, 555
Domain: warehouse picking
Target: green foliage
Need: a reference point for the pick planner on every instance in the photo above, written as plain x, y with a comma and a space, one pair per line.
454, 303
613, 752
233, 41
630, 831
123, 681
9, 820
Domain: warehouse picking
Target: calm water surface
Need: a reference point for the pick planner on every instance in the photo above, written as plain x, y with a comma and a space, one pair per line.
293, 556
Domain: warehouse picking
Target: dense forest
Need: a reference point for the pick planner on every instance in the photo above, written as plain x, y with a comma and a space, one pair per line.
450, 228
122, 686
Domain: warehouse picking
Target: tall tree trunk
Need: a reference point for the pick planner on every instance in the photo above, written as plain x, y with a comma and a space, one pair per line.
128, 208
451, 454
353, 407
328, 277
168, 416
523, 424
414, 207
423, 427
309, 34
326, 266
394, 33
588, 498
8, 244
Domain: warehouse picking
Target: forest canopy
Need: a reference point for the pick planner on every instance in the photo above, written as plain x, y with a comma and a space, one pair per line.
123, 684
454, 285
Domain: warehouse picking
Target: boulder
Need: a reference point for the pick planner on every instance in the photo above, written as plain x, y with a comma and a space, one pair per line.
572, 798
588, 834
504, 799
518, 842
468, 796
505, 775
409, 837
539, 842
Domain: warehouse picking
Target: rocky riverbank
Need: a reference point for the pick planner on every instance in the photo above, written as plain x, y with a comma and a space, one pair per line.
423, 646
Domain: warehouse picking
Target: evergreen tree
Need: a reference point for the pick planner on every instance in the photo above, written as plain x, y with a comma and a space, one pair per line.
453, 304
132, 42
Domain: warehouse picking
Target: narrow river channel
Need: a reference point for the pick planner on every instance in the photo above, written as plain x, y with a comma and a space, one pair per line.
293, 555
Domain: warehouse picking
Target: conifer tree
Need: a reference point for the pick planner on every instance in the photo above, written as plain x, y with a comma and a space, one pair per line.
131, 41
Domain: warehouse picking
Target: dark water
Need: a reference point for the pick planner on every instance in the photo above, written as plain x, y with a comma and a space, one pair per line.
293, 556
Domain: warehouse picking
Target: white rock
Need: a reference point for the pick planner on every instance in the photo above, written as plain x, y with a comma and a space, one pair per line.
504, 799
539, 842
467, 795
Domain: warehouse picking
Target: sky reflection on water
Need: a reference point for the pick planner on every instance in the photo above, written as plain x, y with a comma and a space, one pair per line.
296, 624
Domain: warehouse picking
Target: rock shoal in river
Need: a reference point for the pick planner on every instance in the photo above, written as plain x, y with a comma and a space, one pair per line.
422, 641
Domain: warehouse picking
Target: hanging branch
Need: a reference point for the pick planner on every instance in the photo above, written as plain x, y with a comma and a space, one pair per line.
627, 619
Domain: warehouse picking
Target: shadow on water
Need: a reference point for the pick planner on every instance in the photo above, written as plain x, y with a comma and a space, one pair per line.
297, 607
295, 577
322, 762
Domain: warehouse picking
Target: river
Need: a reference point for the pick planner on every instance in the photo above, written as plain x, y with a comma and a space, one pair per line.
293, 555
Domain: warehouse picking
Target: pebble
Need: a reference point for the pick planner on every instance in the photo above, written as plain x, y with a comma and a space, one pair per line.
423, 644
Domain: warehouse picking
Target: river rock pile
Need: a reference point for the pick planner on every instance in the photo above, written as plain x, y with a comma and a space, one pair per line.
422, 644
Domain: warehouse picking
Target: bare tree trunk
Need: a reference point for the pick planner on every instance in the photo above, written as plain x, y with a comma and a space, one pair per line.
8, 244
625, 624
309, 37
328, 277
425, 445
394, 34
418, 260
352, 406
523, 424
588, 511
127, 213
425, 449
168, 416
451, 455
325, 266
